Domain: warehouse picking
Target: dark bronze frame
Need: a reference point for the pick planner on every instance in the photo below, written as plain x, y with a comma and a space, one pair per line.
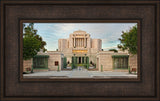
11, 94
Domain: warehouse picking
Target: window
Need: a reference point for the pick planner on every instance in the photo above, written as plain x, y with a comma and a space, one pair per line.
40, 61
56, 63
120, 61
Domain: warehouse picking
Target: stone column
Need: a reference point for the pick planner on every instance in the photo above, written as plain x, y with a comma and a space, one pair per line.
77, 42
80, 42
84, 42
74, 42
77, 60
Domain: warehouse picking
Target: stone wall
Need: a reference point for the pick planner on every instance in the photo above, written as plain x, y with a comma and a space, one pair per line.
27, 64
133, 61
53, 57
105, 60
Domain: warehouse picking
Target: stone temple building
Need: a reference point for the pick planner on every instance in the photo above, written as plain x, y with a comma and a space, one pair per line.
81, 50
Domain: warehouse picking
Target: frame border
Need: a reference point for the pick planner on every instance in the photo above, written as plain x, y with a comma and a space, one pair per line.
143, 2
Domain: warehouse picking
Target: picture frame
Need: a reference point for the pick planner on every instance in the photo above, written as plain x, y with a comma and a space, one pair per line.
145, 12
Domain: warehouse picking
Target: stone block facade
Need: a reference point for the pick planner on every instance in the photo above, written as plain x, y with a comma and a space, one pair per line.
105, 62
81, 45
54, 57
27, 64
133, 61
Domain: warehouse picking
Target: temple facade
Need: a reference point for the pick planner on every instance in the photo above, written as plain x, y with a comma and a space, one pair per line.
81, 50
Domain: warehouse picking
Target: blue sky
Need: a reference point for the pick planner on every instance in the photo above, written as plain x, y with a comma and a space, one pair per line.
108, 32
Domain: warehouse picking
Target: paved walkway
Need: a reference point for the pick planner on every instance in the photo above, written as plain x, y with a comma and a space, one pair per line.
79, 72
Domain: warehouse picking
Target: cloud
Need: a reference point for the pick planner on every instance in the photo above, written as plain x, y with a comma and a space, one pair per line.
108, 32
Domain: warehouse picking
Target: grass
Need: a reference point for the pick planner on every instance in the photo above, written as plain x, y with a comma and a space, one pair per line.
121, 68
40, 68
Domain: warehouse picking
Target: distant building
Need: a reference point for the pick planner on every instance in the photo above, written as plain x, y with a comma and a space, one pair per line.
81, 50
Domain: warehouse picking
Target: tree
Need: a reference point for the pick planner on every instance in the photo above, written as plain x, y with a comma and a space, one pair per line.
129, 40
32, 42
29, 30
31, 46
113, 50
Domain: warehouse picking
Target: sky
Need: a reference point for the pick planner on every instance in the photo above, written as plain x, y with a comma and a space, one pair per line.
109, 33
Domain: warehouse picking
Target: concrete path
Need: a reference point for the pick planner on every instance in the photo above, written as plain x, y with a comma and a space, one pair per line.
79, 72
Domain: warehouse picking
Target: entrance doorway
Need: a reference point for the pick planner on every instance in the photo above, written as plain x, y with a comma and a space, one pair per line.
79, 60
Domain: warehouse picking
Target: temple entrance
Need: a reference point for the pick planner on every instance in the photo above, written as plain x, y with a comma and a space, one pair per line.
80, 61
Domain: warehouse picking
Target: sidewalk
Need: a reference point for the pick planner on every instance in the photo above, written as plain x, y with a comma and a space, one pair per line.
80, 72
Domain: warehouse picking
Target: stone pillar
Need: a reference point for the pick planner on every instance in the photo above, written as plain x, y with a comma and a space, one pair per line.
81, 42
78, 60
78, 42
84, 42
74, 42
